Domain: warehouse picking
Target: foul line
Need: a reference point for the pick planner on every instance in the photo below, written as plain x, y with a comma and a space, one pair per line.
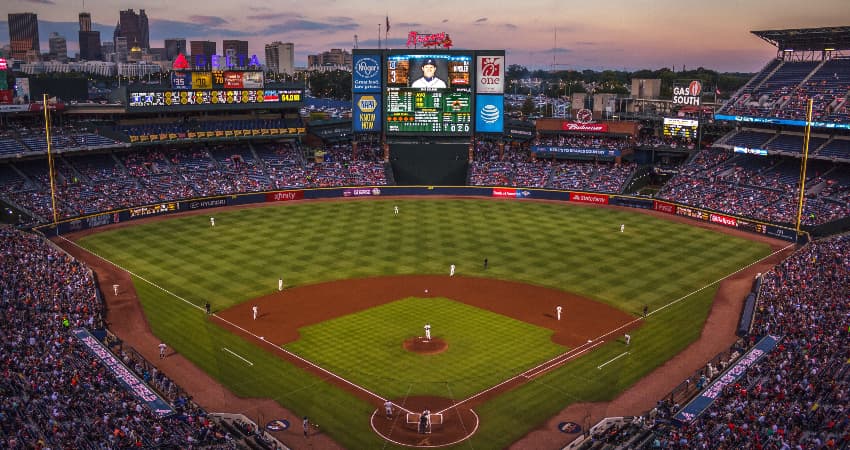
234, 354
612, 360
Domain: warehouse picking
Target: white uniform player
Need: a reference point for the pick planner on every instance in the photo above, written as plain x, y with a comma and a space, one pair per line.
558, 310
628, 338
452, 270
212, 221
395, 210
280, 284
429, 79
428, 331
255, 310
622, 227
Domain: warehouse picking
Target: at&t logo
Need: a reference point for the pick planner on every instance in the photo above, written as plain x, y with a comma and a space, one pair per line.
490, 114
367, 67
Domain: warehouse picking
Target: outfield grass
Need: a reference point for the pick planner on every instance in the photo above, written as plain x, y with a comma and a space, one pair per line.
577, 249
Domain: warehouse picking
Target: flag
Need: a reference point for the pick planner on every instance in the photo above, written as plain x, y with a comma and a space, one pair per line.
388, 24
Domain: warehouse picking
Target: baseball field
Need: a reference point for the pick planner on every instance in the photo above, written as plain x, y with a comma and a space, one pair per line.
331, 345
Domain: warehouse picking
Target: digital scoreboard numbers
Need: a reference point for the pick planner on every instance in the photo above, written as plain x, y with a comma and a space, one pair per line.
683, 128
433, 110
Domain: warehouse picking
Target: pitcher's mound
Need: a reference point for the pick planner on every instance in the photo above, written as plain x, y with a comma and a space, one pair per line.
425, 346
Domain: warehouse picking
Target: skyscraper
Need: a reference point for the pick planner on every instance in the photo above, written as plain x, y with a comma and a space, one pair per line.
202, 52
23, 34
280, 57
89, 40
236, 51
174, 47
58, 47
134, 28
85, 21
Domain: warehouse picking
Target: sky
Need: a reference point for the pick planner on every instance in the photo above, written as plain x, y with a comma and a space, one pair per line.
598, 35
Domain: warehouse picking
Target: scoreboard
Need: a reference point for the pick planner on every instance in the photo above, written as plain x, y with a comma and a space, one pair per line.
429, 110
684, 128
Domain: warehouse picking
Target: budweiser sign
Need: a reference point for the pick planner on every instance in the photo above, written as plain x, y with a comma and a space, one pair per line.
585, 127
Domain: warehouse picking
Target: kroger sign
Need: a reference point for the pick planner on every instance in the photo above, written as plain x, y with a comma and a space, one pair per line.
366, 73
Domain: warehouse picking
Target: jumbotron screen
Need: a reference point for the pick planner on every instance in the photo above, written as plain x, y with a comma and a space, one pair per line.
429, 93
684, 128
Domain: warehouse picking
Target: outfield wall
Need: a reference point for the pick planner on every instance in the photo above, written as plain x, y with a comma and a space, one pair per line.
519, 194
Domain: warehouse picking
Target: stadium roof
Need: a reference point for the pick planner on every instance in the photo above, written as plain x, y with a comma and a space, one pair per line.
808, 39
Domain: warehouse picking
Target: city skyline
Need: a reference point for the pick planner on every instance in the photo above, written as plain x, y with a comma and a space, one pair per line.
621, 34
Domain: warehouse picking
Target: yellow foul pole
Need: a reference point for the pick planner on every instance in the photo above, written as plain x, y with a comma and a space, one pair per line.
805, 162
50, 159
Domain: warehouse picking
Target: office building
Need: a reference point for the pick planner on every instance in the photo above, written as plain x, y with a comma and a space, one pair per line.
23, 35
58, 47
174, 47
202, 52
235, 52
133, 28
280, 57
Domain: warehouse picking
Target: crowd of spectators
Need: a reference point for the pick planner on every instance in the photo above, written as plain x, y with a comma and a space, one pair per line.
760, 188
116, 180
53, 392
516, 167
798, 396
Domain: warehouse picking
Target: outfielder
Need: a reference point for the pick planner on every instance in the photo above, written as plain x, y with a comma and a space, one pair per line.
280, 284
622, 227
558, 310
628, 338
212, 221
427, 331
452, 270
395, 210
255, 310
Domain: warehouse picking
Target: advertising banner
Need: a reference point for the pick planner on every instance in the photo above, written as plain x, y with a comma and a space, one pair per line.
687, 94
489, 113
702, 401
664, 207
511, 193
723, 220
181, 80
584, 127
773, 120
549, 150
366, 115
202, 80
583, 197
253, 80
361, 192
366, 76
158, 406
203, 204
490, 75
154, 210
284, 196
691, 212
233, 80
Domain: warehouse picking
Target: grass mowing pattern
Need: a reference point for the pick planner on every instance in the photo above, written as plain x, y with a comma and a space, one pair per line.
578, 249
485, 348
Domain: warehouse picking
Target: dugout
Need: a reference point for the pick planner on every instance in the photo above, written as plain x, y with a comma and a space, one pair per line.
432, 164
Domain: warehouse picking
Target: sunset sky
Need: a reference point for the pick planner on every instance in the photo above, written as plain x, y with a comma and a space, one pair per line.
613, 34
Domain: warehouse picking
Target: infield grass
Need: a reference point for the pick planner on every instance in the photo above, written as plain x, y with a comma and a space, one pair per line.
567, 247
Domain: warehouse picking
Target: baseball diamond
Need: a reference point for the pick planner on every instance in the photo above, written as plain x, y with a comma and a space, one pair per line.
331, 333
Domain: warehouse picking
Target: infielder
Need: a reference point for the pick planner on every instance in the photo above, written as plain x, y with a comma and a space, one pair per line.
212, 221
115, 288
280, 284
427, 331
452, 270
255, 310
622, 227
395, 210
558, 310
388, 408
628, 338
162, 348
